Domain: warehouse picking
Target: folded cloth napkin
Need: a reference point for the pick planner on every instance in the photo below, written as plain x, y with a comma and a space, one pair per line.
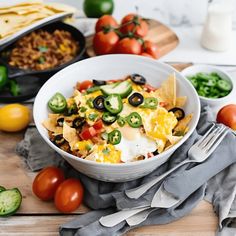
106, 198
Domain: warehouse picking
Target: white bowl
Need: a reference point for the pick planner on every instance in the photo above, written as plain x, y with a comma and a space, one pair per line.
214, 103
106, 68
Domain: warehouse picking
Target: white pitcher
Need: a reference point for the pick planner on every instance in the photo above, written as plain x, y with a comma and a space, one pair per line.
217, 31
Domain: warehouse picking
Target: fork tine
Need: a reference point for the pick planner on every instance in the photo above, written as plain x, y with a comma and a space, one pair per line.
199, 142
215, 135
217, 140
209, 137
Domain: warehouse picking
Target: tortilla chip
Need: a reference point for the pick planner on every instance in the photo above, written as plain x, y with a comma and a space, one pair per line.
182, 126
180, 102
70, 135
167, 91
51, 124
161, 143
174, 139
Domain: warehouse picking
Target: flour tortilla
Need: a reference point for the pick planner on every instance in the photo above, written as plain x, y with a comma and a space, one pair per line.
15, 18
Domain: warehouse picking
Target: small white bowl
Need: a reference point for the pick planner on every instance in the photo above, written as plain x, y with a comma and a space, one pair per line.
214, 103
113, 67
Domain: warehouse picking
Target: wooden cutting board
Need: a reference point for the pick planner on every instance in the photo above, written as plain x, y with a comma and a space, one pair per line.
164, 37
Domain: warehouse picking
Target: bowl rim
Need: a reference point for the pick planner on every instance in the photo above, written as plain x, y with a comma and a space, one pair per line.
186, 71
118, 165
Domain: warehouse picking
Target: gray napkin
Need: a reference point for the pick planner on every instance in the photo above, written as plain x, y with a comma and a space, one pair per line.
110, 196
35, 151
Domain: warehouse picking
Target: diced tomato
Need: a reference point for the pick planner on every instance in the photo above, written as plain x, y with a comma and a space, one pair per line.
98, 125
163, 104
88, 133
84, 85
149, 88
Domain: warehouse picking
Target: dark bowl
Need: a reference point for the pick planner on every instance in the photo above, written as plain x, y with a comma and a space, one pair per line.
45, 74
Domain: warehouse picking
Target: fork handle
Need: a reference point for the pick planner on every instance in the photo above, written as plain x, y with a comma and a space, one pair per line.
136, 193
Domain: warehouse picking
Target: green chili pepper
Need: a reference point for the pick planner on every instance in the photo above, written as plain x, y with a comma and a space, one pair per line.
83, 109
108, 118
90, 102
210, 85
2, 188
113, 103
134, 120
93, 89
150, 102
224, 85
14, 88
114, 137
121, 121
57, 103
72, 109
92, 116
3, 76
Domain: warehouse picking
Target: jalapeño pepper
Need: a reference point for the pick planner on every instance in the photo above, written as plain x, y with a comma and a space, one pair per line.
108, 118
134, 120
150, 102
3, 76
121, 121
113, 103
57, 103
114, 137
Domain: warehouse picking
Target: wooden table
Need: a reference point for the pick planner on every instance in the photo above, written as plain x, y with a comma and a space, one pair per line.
42, 219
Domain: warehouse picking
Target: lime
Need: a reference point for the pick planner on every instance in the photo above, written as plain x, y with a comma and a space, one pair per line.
98, 8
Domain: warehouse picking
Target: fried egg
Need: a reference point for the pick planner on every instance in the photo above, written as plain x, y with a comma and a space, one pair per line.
132, 149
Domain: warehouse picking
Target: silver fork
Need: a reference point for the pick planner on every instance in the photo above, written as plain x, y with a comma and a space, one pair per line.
197, 153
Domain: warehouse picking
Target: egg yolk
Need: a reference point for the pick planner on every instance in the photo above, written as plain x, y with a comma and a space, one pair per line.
107, 154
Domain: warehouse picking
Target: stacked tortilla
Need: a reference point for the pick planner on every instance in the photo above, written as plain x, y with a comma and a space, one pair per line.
15, 18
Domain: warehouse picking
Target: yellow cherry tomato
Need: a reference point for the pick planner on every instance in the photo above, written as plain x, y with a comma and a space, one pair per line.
14, 117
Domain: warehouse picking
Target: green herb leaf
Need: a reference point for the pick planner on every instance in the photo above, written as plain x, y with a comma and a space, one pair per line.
106, 151
83, 109
92, 116
42, 60
42, 48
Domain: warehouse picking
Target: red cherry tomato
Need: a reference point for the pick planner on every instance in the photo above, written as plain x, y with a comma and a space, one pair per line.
128, 46
140, 28
46, 182
151, 49
104, 43
84, 85
105, 21
146, 55
98, 125
88, 133
69, 195
227, 116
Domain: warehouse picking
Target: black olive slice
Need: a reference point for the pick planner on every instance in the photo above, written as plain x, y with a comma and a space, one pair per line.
178, 112
135, 99
98, 103
138, 79
78, 122
60, 121
59, 140
99, 82
155, 153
